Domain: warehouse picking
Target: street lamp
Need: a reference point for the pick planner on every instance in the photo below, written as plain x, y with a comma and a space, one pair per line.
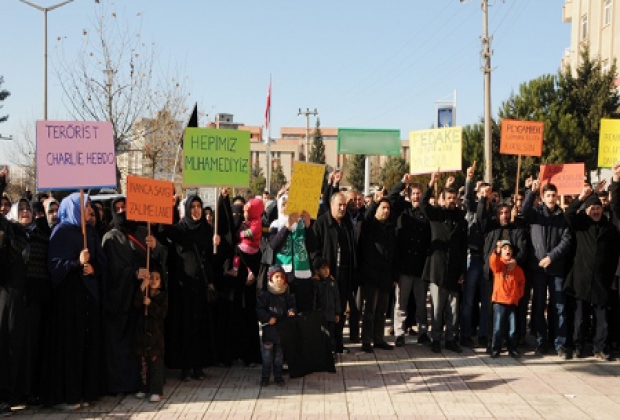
45, 10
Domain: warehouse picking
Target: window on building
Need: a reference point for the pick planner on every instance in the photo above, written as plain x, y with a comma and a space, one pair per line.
607, 12
584, 26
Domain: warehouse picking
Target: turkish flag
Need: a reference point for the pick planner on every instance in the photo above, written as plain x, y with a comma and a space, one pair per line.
268, 107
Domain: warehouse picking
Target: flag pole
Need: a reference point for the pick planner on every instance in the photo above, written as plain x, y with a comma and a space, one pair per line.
268, 140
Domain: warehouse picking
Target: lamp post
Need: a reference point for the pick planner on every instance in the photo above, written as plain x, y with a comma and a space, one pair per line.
45, 10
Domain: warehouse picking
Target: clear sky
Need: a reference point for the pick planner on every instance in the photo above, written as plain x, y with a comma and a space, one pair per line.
360, 63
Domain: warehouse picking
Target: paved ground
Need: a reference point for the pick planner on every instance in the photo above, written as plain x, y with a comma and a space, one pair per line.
407, 383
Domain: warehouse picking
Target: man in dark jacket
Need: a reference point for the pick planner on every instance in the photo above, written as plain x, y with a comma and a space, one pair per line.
413, 236
446, 264
497, 227
594, 267
377, 244
550, 248
336, 242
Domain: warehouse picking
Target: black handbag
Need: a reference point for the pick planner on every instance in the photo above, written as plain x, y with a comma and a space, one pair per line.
211, 291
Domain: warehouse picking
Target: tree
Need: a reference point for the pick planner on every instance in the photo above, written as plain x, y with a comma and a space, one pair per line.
355, 171
586, 97
317, 150
112, 79
277, 179
22, 153
257, 180
3, 95
393, 170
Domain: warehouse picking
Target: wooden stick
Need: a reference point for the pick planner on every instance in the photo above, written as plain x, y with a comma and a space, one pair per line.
148, 263
216, 217
83, 218
518, 176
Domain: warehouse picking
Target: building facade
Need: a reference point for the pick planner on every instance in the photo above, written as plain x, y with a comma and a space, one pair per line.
596, 23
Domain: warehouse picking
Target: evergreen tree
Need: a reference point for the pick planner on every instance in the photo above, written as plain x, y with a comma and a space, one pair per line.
277, 179
317, 150
3, 95
393, 170
258, 182
355, 171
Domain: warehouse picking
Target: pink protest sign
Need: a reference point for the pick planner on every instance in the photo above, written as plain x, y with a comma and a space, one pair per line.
75, 154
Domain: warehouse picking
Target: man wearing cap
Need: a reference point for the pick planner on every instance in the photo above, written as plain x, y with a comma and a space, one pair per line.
594, 267
548, 255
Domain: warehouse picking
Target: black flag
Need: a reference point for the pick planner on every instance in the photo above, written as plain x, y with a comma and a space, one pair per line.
192, 122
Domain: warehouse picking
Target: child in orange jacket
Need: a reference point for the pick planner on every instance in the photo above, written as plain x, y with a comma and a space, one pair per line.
508, 288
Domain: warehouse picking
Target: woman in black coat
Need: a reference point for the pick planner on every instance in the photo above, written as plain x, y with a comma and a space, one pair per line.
190, 335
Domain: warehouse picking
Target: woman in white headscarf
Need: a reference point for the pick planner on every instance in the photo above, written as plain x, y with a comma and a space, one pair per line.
292, 242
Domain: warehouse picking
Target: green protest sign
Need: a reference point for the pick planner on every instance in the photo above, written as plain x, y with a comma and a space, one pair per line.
216, 158
368, 141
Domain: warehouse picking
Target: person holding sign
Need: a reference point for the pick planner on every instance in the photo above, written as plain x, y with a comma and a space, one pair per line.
446, 264
125, 247
190, 338
550, 245
594, 268
75, 333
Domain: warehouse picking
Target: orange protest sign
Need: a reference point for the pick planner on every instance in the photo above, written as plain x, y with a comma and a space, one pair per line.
568, 177
521, 138
149, 200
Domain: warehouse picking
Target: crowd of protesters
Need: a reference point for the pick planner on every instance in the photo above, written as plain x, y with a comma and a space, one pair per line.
105, 312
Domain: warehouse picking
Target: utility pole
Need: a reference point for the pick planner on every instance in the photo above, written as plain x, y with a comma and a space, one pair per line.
307, 113
45, 10
486, 56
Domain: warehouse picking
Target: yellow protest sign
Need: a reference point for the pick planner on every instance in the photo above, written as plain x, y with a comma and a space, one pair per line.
609, 143
305, 190
436, 149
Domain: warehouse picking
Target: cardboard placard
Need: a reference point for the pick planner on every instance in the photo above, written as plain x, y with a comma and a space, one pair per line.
75, 154
431, 150
522, 138
216, 158
149, 200
305, 190
567, 177
609, 143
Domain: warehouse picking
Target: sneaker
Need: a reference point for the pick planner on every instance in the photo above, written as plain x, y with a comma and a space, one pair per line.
494, 354
67, 407
602, 356
424, 338
367, 348
264, 381
140, 395
436, 346
400, 341
514, 354
454, 346
155, 398
564, 354
198, 374
466, 342
279, 381
383, 346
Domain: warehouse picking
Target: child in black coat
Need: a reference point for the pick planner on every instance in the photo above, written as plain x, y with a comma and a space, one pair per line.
326, 295
273, 304
149, 338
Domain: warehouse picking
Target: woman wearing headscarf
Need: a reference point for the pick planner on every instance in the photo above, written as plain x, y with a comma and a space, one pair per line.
125, 247
290, 238
24, 301
75, 334
50, 205
190, 339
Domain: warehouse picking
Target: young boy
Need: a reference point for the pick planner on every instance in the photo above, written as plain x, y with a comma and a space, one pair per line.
326, 297
273, 304
149, 341
508, 288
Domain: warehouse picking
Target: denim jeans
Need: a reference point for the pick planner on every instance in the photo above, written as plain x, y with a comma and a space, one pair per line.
556, 312
474, 283
272, 355
503, 314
